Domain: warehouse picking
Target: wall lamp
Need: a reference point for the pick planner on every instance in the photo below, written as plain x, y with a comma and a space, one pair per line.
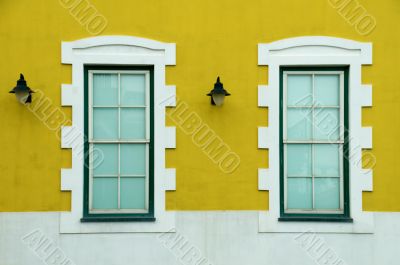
22, 91
218, 94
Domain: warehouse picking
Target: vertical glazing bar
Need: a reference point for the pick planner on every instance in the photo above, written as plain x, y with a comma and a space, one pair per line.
312, 139
119, 138
119, 177
312, 176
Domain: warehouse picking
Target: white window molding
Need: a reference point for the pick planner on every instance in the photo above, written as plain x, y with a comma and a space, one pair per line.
316, 51
117, 50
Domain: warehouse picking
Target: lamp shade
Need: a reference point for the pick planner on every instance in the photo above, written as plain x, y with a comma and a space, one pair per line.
218, 93
22, 91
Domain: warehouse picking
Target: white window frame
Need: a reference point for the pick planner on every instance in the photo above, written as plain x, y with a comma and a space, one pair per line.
316, 51
117, 51
91, 141
312, 142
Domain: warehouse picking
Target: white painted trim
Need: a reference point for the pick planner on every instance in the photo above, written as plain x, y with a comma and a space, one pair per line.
263, 180
366, 137
170, 179
115, 50
306, 51
366, 100
68, 136
66, 179
170, 137
69, 49
263, 136
262, 96
68, 93
170, 93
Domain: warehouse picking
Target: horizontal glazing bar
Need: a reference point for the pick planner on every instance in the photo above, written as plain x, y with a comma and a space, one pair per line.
312, 142
294, 176
119, 141
120, 106
314, 106
132, 176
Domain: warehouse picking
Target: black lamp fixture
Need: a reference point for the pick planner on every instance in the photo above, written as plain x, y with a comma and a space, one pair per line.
218, 93
22, 91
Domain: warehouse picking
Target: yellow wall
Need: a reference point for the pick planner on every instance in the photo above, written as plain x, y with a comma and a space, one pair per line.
213, 37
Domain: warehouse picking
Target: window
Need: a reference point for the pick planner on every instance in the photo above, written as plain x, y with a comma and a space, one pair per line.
312, 54
314, 144
118, 53
119, 175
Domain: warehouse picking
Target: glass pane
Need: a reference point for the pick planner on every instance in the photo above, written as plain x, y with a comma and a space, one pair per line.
133, 192
326, 160
109, 163
133, 159
299, 90
299, 193
105, 89
133, 124
299, 160
105, 123
327, 124
105, 193
299, 124
133, 87
327, 193
327, 90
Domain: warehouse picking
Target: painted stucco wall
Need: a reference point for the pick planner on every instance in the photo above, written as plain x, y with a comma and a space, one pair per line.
213, 38
201, 238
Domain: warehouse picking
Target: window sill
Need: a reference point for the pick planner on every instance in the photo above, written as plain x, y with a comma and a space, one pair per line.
315, 219
117, 219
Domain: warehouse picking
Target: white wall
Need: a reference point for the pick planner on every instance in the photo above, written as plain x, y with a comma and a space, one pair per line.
220, 238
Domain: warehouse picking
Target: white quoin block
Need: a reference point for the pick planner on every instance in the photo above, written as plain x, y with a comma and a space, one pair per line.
366, 95
170, 137
366, 175
366, 137
68, 95
263, 96
169, 97
70, 136
170, 179
66, 179
263, 179
263, 137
